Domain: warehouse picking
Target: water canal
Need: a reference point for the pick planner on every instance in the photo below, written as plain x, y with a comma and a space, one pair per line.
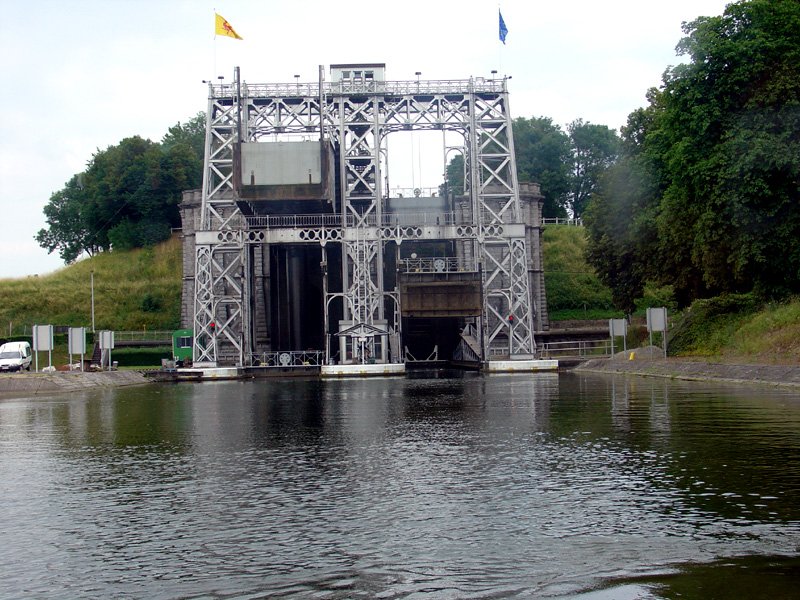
546, 486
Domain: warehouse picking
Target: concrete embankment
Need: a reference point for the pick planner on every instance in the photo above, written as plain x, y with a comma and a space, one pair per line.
675, 368
32, 384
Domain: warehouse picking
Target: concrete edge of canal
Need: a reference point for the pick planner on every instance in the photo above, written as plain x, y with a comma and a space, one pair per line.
32, 384
675, 368
642, 363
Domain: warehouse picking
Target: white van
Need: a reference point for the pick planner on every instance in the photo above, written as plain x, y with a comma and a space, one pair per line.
15, 356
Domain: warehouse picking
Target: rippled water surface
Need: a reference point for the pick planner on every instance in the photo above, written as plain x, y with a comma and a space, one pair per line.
484, 487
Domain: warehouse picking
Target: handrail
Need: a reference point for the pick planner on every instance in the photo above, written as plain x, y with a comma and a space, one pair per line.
559, 221
296, 89
288, 358
442, 264
335, 221
143, 336
575, 348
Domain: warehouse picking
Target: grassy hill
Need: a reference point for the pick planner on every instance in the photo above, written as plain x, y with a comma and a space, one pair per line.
573, 289
139, 289
739, 328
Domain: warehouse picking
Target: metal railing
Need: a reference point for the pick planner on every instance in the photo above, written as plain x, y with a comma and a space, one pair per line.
143, 336
289, 221
288, 359
575, 349
419, 192
443, 264
311, 89
417, 219
559, 221
335, 221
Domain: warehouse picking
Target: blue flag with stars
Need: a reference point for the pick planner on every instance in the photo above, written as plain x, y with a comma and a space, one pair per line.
503, 28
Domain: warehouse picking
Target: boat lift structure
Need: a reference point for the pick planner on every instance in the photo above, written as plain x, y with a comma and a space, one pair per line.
297, 242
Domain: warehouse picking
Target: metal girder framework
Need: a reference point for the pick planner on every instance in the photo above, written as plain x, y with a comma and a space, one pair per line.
357, 133
364, 294
508, 316
221, 292
279, 109
356, 121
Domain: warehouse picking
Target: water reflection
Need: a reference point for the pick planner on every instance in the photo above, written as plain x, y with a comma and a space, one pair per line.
474, 486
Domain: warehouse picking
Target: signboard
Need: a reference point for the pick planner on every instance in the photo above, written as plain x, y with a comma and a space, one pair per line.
618, 327
106, 340
76, 340
657, 319
76, 343
42, 338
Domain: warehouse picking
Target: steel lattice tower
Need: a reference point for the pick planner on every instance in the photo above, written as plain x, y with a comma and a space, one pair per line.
355, 117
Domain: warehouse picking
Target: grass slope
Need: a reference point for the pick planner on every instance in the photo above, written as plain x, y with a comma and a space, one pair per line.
573, 289
738, 328
133, 290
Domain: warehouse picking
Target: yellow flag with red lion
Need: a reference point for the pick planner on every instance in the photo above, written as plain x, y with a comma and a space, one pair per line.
222, 27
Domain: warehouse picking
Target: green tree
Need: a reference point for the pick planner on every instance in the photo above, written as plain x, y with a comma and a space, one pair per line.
728, 132
620, 219
720, 145
192, 134
128, 196
67, 228
455, 177
543, 155
594, 149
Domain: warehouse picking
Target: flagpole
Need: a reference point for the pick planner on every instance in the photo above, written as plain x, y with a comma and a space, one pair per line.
500, 48
503, 32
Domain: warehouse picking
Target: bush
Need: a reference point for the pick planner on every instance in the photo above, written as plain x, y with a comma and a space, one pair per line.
141, 357
707, 326
151, 303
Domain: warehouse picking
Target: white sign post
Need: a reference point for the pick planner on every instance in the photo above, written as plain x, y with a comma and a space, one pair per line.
657, 321
107, 343
43, 340
77, 343
616, 328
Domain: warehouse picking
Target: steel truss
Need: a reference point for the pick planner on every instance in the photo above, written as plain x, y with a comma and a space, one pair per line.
221, 306
356, 120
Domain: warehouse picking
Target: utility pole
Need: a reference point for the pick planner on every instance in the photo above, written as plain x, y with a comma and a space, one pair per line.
92, 280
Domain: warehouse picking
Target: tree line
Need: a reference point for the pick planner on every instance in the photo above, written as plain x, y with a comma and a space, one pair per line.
705, 194
566, 163
128, 196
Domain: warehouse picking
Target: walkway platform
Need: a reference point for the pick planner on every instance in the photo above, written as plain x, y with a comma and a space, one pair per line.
519, 366
208, 373
341, 371
367, 370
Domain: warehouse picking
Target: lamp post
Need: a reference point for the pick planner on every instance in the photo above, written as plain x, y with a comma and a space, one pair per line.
92, 281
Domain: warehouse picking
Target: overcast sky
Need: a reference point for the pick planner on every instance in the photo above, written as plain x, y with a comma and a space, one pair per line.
81, 75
